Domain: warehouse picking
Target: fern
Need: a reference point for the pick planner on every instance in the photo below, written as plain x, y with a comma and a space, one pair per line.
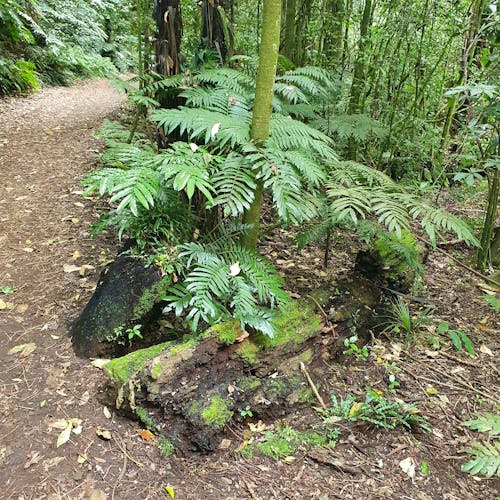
486, 459
223, 279
485, 422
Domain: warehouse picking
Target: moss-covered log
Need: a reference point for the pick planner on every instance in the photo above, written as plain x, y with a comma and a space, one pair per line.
200, 384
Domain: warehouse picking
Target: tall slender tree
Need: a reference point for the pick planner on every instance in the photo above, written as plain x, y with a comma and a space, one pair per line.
262, 106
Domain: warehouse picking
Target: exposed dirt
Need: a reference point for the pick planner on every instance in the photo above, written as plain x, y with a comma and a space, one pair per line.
45, 147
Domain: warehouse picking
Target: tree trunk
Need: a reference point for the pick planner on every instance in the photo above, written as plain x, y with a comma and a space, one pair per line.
167, 14
215, 32
289, 39
262, 106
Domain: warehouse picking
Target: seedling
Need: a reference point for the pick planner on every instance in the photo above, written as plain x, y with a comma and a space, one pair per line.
246, 412
459, 338
360, 353
7, 290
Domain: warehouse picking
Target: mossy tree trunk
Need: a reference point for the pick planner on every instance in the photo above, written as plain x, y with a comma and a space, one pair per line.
262, 106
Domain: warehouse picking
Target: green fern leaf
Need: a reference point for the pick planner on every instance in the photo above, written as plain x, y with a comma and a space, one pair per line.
486, 459
485, 422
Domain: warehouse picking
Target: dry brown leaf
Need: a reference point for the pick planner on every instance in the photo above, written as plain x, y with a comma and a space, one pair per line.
3, 305
23, 349
103, 434
145, 434
22, 308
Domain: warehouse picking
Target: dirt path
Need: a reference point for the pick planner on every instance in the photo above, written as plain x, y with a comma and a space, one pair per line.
45, 146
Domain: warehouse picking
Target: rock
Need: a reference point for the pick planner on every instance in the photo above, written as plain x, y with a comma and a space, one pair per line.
127, 294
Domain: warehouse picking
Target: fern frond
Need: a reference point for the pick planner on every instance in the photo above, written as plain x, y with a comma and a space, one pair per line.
128, 187
226, 78
290, 92
486, 459
287, 133
187, 169
209, 126
358, 127
348, 173
350, 203
220, 100
485, 422
234, 185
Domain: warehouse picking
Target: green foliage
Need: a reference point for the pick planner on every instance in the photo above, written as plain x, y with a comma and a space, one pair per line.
145, 419
459, 339
492, 301
360, 353
485, 422
165, 446
486, 459
376, 410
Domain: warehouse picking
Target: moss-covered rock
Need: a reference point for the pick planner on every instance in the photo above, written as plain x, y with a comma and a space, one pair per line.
126, 295
226, 332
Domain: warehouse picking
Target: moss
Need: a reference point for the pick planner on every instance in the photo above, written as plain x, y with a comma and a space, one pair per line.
187, 343
280, 443
165, 446
297, 322
226, 332
312, 438
121, 369
275, 387
249, 383
156, 371
393, 259
194, 409
306, 356
150, 297
217, 412
301, 395
321, 297
248, 351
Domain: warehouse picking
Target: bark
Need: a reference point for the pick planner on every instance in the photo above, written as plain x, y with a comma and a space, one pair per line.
167, 14
290, 25
215, 32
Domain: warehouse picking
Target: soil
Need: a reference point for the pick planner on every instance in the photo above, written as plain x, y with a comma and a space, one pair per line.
46, 146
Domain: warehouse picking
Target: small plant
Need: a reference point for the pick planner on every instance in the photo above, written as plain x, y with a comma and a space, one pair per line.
486, 454
135, 331
119, 334
376, 410
492, 301
402, 321
165, 446
459, 338
246, 412
360, 353
7, 290
392, 369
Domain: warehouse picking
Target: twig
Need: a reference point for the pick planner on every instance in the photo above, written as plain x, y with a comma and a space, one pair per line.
319, 306
311, 383
459, 262
457, 359
250, 490
122, 473
121, 445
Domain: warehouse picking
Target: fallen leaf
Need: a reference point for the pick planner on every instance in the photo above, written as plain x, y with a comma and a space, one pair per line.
193, 146
3, 305
225, 444
65, 434
170, 491
145, 434
486, 350
103, 434
97, 495
432, 391
76, 255
290, 459
81, 458
22, 308
35, 457
71, 268
106, 412
408, 466
84, 398
235, 269
27, 249
23, 349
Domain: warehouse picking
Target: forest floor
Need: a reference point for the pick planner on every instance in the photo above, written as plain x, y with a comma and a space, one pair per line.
48, 269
